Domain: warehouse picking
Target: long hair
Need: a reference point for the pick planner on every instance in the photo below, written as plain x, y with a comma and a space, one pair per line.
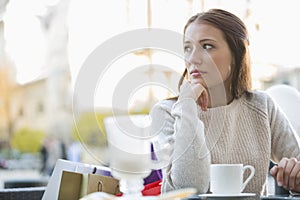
236, 35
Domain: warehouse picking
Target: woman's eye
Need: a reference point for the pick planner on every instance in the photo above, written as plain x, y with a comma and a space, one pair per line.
207, 46
187, 49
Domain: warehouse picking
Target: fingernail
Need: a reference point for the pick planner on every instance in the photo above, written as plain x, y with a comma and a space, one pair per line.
279, 184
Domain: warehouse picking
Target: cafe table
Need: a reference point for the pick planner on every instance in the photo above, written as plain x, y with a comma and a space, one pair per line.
269, 197
276, 197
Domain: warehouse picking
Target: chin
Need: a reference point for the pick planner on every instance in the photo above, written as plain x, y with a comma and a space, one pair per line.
200, 81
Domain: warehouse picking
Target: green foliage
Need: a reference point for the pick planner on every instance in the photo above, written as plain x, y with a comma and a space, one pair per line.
89, 127
27, 140
143, 111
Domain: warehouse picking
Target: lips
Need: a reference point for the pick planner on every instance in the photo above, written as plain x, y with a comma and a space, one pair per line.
197, 73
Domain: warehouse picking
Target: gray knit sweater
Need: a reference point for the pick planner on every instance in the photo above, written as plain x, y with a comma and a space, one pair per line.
250, 130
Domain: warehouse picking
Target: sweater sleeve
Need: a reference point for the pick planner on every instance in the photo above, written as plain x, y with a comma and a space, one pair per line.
285, 141
180, 125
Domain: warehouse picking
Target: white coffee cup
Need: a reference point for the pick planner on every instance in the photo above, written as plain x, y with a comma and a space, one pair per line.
228, 178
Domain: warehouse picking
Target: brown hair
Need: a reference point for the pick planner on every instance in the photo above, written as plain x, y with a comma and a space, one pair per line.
236, 36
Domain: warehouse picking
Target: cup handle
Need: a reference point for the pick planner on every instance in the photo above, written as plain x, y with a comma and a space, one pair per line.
249, 177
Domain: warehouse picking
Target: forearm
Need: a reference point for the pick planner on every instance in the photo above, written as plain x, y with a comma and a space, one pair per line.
191, 158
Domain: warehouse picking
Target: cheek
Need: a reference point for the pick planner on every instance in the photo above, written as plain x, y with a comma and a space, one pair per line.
219, 71
225, 72
223, 63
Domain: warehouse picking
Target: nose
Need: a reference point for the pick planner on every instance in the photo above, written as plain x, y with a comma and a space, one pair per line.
195, 57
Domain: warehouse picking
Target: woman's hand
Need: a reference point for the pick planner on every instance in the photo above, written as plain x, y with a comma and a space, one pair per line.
195, 91
287, 174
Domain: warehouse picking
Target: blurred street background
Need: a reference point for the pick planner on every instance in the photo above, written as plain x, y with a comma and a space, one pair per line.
43, 44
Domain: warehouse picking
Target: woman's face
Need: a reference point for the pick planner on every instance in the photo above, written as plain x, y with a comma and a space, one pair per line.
207, 55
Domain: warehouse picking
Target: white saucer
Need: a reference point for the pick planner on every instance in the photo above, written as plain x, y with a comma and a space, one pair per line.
228, 195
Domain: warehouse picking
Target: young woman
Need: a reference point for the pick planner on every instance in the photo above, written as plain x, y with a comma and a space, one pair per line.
217, 118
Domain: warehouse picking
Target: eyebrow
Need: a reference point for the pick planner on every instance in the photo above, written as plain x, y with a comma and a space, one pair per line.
201, 41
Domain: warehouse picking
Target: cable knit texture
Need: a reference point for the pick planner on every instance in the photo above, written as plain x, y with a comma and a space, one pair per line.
251, 130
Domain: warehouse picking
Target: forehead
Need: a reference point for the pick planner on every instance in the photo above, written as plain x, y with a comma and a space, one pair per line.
197, 31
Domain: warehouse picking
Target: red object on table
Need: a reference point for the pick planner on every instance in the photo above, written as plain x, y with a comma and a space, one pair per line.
151, 189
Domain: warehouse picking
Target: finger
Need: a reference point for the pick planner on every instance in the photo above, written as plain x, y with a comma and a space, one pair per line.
202, 101
200, 90
204, 97
273, 171
297, 181
287, 172
293, 174
280, 174
296, 189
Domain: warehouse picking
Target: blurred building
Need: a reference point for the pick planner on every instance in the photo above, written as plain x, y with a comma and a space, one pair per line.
44, 103
7, 83
28, 106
